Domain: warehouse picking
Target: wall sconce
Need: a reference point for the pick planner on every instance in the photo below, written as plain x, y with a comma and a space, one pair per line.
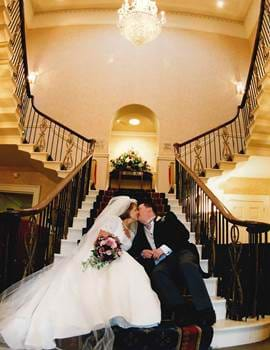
220, 3
32, 76
240, 87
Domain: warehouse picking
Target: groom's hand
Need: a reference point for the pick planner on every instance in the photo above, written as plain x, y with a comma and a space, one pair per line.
147, 254
157, 253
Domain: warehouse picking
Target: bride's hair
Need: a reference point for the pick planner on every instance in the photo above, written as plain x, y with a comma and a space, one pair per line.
126, 214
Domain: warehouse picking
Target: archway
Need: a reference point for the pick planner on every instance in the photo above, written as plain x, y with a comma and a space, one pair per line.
140, 136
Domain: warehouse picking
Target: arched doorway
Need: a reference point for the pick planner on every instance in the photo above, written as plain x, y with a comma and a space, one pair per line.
135, 127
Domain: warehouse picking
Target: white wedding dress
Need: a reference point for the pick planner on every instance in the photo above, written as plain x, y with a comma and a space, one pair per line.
62, 300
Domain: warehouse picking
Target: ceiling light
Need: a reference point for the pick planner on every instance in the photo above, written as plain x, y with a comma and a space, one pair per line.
134, 121
220, 4
139, 21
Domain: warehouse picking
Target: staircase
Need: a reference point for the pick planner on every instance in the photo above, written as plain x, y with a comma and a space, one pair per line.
226, 332
258, 142
10, 132
46, 141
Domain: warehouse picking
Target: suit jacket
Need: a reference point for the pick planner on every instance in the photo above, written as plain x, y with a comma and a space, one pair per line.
167, 230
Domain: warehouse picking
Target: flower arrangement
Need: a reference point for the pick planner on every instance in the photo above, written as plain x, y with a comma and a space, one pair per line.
107, 248
130, 161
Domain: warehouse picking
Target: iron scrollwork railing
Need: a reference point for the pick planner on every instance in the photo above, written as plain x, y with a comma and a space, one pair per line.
60, 143
238, 266
221, 143
30, 237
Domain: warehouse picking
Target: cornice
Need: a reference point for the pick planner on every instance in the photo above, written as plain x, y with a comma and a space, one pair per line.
179, 20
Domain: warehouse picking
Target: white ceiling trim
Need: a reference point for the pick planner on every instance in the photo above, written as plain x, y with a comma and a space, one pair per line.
174, 20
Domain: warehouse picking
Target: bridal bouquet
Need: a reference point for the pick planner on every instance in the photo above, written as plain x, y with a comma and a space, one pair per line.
107, 248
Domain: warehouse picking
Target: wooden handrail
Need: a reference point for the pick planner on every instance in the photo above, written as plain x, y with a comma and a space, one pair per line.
263, 226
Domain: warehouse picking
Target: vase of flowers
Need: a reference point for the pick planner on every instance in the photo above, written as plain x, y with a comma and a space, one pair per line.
130, 161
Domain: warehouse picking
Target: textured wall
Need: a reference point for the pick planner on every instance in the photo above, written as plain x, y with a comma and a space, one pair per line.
184, 77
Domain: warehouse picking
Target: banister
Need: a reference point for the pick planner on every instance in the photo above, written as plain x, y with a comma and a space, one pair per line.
248, 82
45, 202
261, 226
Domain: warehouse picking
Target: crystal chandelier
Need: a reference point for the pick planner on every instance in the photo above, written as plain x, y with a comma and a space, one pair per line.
139, 22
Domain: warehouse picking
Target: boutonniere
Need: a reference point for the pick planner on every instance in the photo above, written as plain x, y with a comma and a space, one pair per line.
159, 218
162, 219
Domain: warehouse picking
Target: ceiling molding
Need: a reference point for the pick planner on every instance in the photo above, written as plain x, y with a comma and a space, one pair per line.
134, 133
177, 20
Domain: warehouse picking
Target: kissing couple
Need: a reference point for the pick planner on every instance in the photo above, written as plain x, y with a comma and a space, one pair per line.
63, 300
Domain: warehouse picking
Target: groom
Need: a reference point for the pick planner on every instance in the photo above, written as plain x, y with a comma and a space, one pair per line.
161, 246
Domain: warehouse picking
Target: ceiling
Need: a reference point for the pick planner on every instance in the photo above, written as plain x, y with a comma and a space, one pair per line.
233, 9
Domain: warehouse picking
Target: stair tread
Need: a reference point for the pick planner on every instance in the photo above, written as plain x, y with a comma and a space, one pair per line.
229, 324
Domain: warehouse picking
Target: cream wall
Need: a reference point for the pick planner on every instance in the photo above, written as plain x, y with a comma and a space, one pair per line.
86, 73
145, 145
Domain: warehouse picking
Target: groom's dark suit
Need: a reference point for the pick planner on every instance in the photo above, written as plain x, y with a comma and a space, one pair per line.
182, 265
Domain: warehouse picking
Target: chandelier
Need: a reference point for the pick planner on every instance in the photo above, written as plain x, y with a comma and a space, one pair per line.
139, 22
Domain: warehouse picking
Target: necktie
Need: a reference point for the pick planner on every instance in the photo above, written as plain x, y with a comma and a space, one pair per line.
148, 226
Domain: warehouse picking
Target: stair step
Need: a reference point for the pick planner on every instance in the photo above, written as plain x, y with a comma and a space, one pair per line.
258, 151
263, 97
219, 305
209, 172
42, 156
192, 237
173, 202
265, 82
68, 246
9, 117
229, 333
262, 112
4, 50
238, 157
90, 200
257, 139
267, 66
87, 205
79, 222
4, 32
7, 87
50, 164
10, 139
83, 213
26, 147
171, 196
74, 234
63, 173
10, 131
226, 165
211, 285
260, 126
204, 264
8, 102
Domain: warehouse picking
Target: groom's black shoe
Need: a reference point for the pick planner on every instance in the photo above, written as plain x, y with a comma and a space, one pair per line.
185, 315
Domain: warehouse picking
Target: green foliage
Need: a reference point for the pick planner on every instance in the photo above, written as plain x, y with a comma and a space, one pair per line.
130, 161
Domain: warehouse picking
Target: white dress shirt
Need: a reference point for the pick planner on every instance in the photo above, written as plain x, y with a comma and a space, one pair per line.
149, 233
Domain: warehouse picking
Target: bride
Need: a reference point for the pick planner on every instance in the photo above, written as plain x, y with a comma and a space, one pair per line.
62, 300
